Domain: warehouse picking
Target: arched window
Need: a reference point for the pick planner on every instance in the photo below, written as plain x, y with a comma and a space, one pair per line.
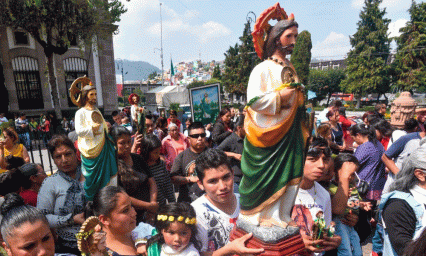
27, 81
74, 68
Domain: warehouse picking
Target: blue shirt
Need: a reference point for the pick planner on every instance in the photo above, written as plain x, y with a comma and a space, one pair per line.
398, 146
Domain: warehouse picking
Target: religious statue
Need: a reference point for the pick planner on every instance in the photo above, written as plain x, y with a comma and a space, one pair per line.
137, 113
319, 226
98, 159
276, 126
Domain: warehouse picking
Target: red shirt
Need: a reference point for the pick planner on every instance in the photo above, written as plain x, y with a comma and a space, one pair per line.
30, 197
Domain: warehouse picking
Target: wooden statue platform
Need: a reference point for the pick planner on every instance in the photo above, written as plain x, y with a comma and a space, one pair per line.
285, 247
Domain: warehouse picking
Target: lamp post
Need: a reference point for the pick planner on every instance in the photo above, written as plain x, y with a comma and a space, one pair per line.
162, 63
120, 61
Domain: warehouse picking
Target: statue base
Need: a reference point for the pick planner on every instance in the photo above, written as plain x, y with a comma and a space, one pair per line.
276, 244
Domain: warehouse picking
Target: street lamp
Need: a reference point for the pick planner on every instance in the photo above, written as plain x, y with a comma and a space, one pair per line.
120, 61
162, 63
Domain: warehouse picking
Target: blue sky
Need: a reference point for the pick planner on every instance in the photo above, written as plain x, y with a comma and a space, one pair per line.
206, 28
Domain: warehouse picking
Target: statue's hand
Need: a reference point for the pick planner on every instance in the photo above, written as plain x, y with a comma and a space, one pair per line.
98, 246
285, 95
95, 128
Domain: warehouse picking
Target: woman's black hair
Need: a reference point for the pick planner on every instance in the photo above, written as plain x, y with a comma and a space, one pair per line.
104, 201
182, 209
13, 162
118, 131
10, 181
59, 140
150, 143
383, 126
343, 158
222, 113
127, 176
15, 213
365, 130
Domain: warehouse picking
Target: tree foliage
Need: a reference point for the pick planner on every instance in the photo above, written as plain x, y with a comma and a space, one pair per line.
366, 69
216, 73
325, 82
301, 56
410, 59
195, 84
153, 75
239, 62
54, 24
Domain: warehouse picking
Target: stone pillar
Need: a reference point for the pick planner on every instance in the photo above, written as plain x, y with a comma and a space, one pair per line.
402, 108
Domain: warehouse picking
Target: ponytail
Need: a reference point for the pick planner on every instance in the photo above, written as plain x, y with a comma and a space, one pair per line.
365, 130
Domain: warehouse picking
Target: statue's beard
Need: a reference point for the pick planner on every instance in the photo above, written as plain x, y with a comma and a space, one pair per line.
286, 49
92, 102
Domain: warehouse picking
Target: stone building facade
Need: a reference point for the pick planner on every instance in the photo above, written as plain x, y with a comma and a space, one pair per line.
26, 77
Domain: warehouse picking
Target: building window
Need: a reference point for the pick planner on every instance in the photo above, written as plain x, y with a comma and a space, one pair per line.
324, 67
73, 42
74, 68
21, 38
27, 82
336, 66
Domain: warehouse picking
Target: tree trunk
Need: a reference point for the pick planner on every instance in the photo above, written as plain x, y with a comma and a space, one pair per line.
328, 98
54, 87
358, 102
4, 96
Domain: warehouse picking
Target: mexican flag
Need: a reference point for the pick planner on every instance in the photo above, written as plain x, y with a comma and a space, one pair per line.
172, 71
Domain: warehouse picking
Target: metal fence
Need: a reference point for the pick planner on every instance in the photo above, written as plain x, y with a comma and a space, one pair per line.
38, 151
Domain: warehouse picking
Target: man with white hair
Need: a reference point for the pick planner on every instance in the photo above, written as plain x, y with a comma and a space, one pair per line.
403, 208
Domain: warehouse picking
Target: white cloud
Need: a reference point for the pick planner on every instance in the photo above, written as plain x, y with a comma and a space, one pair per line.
335, 46
357, 4
182, 23
189, 14
140, 31
211, 30
395, 26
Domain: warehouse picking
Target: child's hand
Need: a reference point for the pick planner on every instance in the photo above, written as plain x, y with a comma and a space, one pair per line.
141, 249
366, 206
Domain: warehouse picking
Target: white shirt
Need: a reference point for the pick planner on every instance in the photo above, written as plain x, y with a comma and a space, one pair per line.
315, 199
188, 251
213, 224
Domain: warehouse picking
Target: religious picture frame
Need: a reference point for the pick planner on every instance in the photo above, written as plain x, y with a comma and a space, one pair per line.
205, 103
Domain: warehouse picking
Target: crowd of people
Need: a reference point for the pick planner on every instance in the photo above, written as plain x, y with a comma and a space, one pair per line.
359, 179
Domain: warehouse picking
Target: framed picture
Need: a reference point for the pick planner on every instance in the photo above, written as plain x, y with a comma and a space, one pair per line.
205, 103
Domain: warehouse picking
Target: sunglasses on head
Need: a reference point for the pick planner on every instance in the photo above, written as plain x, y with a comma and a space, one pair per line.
316, 151
195, 136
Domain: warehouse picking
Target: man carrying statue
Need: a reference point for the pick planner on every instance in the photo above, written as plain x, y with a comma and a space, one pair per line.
276, 128
98, 160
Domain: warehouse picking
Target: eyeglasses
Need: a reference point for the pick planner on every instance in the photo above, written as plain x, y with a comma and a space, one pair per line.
316, 151
195, 136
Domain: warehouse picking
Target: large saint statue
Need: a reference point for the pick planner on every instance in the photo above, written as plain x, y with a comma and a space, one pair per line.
98, 159
276, 130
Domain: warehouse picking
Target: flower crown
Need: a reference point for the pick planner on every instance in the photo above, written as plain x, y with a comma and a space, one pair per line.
171, 218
